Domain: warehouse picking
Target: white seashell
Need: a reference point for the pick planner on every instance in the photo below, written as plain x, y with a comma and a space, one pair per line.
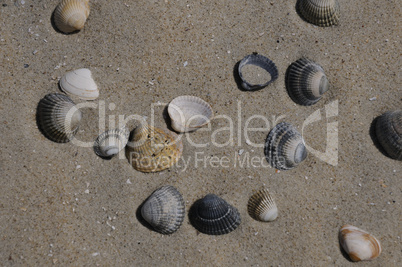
70, 15
111, 142
188, 113
80, 83
262, 206
359, 244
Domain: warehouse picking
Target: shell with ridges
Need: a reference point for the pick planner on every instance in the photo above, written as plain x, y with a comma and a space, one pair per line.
80, 83
70, 15
284, 147
152, 149
389, 133
359, 244
306, 82
262, 207
322, 13
111, 142
188, 113
214, 216
58, 118
164, 210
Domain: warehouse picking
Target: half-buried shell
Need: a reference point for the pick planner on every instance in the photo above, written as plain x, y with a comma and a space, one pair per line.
70, 15
284, 147
80, 83
152, 149
58, 118
306, 82
188, 113
214, 216
164, 210
262, 207
322, 13
111, 142
389, 133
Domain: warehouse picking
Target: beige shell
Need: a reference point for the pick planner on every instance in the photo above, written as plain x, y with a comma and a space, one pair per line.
262, 206
188, 113
70, 15
322, 13
359, 244
80, 83
152, 149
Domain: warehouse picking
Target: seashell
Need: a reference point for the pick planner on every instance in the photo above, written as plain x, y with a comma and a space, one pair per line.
152, 149
58, 118
111, 142
164, 210
261, 62
80, 83
389, 133
70, 15
322, 13
284, 147
188, 113
358, 244
214, 216
306, 82
262, 207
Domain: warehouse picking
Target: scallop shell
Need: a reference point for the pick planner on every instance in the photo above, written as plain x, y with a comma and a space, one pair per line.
359, 244
58, 118
284, 147
262, 206
214, 216
80, 83
152, 149
306, 82
322, 13
70, 15
389, 133
164, 210
188, 113
111, 142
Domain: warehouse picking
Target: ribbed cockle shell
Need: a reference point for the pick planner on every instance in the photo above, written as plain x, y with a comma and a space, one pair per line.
262, 206
322, 13
70, 15
389, 133
111, 142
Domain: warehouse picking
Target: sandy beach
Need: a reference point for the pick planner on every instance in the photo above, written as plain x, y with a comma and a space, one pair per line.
61, 204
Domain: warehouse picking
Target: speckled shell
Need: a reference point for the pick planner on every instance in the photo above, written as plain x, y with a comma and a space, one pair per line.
152, 149
284, 147
389, 133
262, 207
359, 244
164, 210
58, 118
214, 216
80, 83
188, 113
306, 82
322, 13
111, 142
70, 15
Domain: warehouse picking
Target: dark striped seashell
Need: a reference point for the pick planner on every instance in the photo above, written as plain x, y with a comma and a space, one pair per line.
214, 216
322, 13
284, 147
389, 133
164, 210
58, 118
111, 142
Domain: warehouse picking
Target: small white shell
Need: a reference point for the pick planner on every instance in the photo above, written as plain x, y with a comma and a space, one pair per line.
188, 113
70, 15
359, 244
80, 83
111, 142
262, 206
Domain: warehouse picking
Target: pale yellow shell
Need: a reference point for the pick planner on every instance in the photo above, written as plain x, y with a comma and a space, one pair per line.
262, 206
70, 15
151, 149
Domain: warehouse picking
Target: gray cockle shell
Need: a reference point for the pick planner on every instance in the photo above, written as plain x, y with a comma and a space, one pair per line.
322, 13
111, 142
389, 133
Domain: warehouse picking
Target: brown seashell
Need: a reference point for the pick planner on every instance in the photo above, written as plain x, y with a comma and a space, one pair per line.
262, 207
70, 15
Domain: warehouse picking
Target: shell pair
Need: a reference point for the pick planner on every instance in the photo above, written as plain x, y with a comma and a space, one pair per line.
262, 207
70, 15
322, 13
152, 149
111, 142
359, 244
306, 82
80, 83
388, 130
284, 147
164, 210
188, 113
